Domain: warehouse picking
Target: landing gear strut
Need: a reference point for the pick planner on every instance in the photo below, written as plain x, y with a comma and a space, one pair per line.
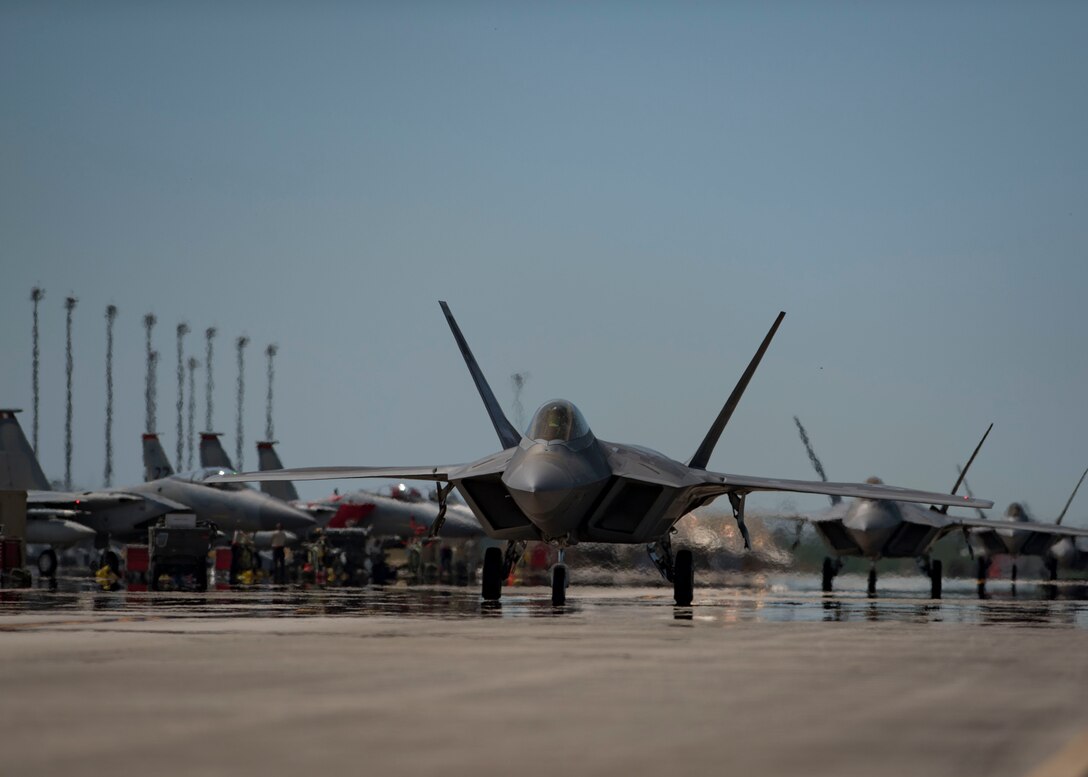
935, 572
678, 568
872, 580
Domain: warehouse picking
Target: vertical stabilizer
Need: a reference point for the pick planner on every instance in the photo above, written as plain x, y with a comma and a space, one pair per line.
212, 453
963, 472
156, 463
1069, 501
267, 459
19, 467
508, 435
702, 455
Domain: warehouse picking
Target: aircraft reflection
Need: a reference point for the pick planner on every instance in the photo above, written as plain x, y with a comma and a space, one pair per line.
1062, 606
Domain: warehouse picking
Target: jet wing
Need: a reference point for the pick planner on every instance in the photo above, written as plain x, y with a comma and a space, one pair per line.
1025, 526
747, 483
82, 500
339, 473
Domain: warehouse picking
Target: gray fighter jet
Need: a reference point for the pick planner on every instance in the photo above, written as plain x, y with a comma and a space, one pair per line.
1053, 543
558, 483
877, 529
229, 506
57, 518
60, 519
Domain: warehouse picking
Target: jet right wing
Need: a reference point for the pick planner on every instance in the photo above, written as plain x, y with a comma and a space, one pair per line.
1024, 526
746, 483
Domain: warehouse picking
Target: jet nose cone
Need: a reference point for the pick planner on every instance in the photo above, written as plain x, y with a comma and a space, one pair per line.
539, 487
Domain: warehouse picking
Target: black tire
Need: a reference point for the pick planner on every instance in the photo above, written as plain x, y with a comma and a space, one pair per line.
936, 570
983, 569
1014, 573
559, 585
201, 575
828, 574
47, 563
683, 579
872, 581
155, 573
492, 576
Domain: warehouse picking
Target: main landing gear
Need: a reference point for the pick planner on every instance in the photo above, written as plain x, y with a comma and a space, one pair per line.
831, 568
559, 581
678, 569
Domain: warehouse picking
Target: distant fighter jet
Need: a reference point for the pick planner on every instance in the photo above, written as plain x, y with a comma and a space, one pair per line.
59, 518
63, 518
559, 484
1053, 543
403, 512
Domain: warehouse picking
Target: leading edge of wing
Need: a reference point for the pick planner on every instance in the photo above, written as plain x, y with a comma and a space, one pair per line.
338, 473
858, 490
1024, 526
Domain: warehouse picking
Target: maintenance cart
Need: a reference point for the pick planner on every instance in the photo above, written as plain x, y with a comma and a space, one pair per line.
179, 546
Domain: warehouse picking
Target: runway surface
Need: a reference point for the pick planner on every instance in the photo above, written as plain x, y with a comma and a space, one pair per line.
765, 678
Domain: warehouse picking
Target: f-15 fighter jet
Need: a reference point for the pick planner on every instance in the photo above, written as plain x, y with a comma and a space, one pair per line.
558, 483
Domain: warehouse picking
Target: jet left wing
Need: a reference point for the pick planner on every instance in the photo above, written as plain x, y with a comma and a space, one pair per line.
746, 483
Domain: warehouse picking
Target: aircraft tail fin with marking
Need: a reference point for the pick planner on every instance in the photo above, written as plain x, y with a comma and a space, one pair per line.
212, 453
702, 455
156, 462
963, 472
508, 435
267, 459
1069, 501
19, 467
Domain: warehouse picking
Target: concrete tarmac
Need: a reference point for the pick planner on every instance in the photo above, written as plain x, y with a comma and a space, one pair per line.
758, 681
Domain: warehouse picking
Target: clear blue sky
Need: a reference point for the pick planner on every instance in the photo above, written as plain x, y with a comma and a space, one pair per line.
616, 197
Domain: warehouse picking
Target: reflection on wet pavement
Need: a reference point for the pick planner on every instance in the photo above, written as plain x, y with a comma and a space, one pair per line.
767, 600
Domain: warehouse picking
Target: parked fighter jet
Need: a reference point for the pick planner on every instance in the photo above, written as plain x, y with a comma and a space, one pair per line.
558, 483
1053, 543
878, 529
229, 506
402, 512
62, 518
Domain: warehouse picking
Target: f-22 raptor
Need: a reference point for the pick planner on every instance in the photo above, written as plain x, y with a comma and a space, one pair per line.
559, 484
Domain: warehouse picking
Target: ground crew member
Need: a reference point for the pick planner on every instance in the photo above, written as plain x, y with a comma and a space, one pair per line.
279, 555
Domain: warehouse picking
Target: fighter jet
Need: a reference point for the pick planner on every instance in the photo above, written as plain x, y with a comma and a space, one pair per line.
879, 529
229, 506
60, 519
403, 512
559, 484
1053, 543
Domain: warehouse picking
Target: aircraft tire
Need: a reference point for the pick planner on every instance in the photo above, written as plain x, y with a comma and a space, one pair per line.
872, 581
1014, 573
935, 572
47, 563
983, 568
1052, 568
828, 574
683, 583
492, 575
153, 581
202, 578
559, 585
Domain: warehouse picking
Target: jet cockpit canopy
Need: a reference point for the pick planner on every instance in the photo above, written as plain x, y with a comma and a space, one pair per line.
557, 420
202, 475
